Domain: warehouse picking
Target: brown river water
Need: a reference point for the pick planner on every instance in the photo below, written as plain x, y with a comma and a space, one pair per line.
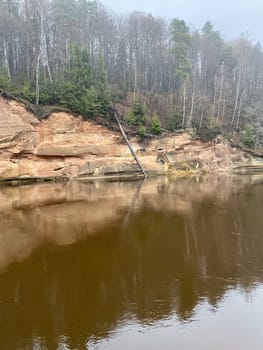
132, 265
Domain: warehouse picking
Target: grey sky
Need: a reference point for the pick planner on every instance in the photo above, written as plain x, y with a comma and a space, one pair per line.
231, 17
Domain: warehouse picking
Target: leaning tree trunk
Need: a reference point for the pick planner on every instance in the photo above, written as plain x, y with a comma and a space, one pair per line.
129, 145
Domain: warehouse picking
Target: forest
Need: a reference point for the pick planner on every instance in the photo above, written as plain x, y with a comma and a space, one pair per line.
82, 56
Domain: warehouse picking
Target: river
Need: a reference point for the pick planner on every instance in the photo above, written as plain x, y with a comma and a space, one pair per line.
132, 265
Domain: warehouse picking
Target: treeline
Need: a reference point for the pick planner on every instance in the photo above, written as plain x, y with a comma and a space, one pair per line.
81, 55
46, 59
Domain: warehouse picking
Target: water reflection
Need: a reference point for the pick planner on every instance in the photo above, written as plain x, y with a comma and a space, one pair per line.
79, 260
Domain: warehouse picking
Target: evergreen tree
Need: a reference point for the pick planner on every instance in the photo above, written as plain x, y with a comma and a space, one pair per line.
80, 91
137, 114
181, 43
102, 88
156, 125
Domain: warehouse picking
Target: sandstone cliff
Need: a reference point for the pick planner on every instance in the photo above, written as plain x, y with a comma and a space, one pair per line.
67, 146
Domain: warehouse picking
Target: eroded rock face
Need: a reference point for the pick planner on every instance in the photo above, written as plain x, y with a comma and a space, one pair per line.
66, 145
17, 127
62, 145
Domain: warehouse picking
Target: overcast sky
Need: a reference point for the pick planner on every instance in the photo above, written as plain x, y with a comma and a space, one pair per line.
230, 17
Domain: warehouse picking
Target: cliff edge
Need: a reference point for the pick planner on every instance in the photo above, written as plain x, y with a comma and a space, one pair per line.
68, 146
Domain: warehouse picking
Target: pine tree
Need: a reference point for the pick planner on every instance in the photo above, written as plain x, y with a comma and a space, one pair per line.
181, 43
102, 87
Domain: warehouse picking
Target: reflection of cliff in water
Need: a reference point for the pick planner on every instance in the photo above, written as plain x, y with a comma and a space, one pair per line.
177, 245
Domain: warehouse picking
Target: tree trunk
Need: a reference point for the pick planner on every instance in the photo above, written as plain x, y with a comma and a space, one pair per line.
239, 110
6, 61
201, 121
37, 81
135, 80
189, 122
223, 111
43, 45
214, 103
220, 96
184, 102
129, 145
237, 97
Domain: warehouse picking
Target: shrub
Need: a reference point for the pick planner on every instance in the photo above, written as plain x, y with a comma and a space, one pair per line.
156, 125
137, 114
174, 121
248, 138
142, 131
28, 92
207, 132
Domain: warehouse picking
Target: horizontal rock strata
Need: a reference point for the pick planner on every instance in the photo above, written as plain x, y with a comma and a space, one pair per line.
68, 146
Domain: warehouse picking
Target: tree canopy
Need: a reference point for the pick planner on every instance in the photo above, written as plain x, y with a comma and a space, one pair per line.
80, 55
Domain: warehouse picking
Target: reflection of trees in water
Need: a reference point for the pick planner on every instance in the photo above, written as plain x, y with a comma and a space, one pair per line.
162, 262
